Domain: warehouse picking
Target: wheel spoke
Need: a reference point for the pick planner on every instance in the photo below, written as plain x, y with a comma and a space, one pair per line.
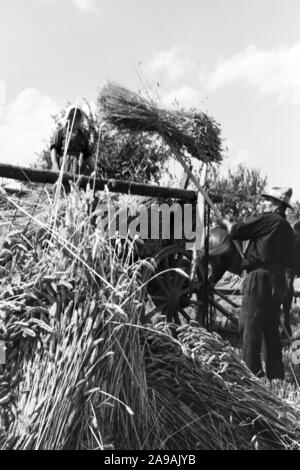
182, 280
186, 290
165, 262
169, 315
184, 314
179, 260
158, 297
153, 312
176, 280
176, 317
172, 261
164, 311
162, 285
169, 278
197, 303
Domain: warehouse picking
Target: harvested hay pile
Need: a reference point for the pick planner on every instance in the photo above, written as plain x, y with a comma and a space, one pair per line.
82, 373
196, 132
20, 207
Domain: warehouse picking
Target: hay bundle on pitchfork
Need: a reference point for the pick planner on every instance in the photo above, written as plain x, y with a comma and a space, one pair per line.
128, 110
196, 132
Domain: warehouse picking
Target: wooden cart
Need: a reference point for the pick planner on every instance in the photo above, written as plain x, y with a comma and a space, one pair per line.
170, 287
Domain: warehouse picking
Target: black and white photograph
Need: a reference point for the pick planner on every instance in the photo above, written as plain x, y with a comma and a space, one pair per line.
149, 227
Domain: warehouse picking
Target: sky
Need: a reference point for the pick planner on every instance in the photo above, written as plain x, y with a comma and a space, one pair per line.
237, 60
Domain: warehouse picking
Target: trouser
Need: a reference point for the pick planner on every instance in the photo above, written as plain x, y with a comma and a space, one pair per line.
287, 302
260, 318
72, 165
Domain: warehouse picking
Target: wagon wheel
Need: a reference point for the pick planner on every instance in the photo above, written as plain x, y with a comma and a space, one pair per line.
169, 288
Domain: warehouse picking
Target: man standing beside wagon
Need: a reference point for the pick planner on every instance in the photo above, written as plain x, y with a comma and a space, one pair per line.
268, 258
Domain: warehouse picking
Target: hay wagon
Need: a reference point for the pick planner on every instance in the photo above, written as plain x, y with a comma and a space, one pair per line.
176, 283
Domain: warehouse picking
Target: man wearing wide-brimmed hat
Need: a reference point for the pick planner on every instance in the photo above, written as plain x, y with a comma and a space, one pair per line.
70, 144
268, 257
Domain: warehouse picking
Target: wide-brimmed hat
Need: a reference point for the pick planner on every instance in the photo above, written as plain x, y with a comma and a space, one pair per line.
280, 194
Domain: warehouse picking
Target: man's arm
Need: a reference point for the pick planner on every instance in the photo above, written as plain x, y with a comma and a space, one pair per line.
54, 160
91, 164
56, 149
252, 228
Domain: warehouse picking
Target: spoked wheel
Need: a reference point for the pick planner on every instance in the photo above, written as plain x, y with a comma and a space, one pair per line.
170, 291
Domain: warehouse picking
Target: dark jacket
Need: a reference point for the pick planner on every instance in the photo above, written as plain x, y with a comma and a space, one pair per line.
79, 142
271, 241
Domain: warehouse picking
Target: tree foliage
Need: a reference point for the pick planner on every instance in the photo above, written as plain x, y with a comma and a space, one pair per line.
241, 191
131, 156
294, 214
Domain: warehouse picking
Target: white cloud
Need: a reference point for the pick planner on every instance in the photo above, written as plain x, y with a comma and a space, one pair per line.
184, 96
234, 156
2, 94
241, 156
25, 123
274, 72
83, 6
174, 63
86, 6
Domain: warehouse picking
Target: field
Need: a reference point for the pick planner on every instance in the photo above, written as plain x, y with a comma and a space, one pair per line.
82, 372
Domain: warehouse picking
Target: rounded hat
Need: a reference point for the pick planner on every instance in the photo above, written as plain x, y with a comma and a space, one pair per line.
72, 108
280, 194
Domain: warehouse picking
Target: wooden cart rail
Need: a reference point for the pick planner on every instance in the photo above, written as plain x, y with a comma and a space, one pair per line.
118, 186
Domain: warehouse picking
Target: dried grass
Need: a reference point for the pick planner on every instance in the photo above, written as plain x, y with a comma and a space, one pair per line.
197, 132
83, 373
